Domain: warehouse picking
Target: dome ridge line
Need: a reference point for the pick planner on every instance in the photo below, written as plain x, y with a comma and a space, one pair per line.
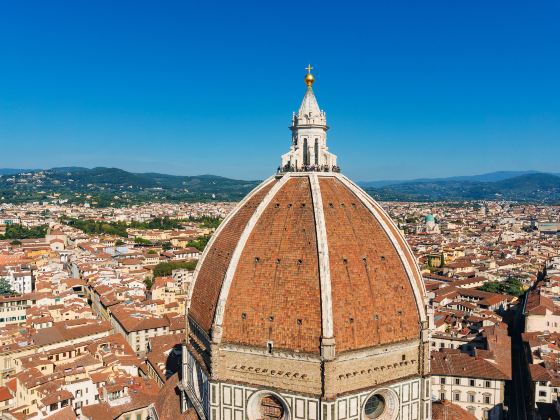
376, 211
216, 234
327, 336
217, 324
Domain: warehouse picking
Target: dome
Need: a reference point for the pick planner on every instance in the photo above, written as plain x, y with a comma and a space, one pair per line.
303, 258
429, 218
307, 302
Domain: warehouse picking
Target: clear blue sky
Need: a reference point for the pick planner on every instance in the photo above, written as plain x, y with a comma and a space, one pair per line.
411, 89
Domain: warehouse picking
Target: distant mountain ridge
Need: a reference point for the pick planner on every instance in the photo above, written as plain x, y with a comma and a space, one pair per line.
113, 186
487, 177
534, 187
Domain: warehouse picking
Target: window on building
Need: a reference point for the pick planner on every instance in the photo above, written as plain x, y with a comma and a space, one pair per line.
316, 151
442, 396
457, 381
471, 382
542, 383
457, 396
471, 398
487, 399
542, 393
273, 409
442, 381
487, 384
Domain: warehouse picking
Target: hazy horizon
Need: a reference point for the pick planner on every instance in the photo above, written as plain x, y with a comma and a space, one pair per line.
272, 172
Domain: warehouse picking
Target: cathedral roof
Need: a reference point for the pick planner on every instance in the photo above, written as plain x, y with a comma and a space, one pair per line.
306, 257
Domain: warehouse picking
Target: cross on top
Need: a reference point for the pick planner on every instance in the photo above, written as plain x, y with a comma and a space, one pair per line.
309, 68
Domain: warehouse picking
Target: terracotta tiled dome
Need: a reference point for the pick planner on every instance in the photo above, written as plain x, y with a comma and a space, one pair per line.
304, 261
307, 303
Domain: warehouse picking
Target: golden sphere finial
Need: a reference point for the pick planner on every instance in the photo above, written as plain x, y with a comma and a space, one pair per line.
309, 79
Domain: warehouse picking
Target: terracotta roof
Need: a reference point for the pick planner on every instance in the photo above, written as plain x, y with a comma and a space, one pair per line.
538, 373
138, 320
68, 330
447, 363
5, 394
538, 304
56, 397
168, 402
275, 291
67, 413
445, 410
218, 256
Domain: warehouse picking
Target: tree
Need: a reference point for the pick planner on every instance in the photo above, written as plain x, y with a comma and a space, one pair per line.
22, 232
206, 221
149, 282
200, 242
5, 287
142, 241
167, 246
119, 242
491, 286
166, 268
510, 286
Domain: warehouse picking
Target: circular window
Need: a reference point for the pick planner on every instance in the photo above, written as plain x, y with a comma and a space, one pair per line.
265, 405
271, 408
381, 404
375, 406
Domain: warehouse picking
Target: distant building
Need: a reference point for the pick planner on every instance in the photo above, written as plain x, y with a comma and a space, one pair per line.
13, 308
549, 228
476, 381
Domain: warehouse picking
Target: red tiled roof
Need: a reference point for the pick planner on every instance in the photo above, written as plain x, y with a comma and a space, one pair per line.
445, 410
5, 394
460, 364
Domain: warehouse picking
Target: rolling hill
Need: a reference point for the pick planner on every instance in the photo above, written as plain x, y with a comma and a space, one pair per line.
102, 186
530, 187
113, 186
487, 177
